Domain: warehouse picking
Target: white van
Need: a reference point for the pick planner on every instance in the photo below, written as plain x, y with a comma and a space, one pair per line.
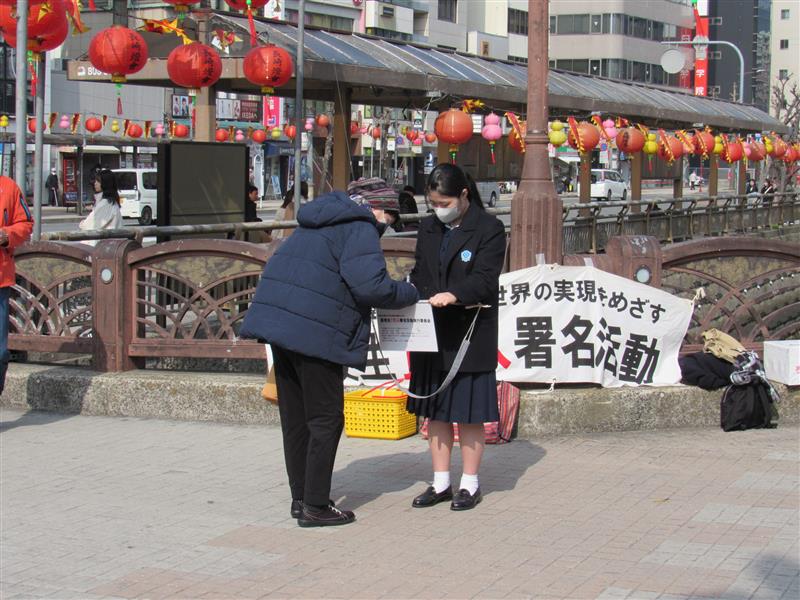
138, 191
489, 191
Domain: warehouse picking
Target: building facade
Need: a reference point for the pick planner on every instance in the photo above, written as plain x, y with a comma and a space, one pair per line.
784, 46
745, 24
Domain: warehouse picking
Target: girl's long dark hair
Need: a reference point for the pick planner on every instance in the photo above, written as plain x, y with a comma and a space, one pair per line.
450, 180
108, 185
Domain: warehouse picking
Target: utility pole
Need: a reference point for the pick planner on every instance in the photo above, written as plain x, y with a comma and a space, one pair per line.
21, 109
536, 225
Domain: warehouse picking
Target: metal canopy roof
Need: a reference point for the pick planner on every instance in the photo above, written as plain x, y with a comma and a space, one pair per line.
400, 74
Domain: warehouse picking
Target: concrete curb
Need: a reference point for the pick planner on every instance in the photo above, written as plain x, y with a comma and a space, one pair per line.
235, 398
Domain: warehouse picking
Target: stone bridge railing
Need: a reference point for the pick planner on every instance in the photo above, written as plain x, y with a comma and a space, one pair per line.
123, 303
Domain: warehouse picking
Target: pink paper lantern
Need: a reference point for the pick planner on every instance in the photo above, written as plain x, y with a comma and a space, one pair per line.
491, 132
239, 137
610, 128
64, 122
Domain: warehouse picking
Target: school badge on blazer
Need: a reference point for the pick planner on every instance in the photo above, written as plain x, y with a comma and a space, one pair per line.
466, 256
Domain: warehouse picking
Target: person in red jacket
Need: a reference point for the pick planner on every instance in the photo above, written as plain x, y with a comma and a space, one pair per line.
14, 231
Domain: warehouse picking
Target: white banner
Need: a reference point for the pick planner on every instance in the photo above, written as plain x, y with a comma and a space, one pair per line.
583, 325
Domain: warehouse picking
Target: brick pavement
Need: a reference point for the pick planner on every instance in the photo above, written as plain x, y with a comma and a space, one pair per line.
98, 507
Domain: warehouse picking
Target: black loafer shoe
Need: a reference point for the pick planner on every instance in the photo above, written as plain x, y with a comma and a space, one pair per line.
463, 500
297, 508
429, 497
324, 517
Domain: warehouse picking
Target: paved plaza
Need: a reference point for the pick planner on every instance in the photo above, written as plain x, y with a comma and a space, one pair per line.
100, 507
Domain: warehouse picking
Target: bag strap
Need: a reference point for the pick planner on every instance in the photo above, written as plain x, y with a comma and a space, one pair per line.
459, 358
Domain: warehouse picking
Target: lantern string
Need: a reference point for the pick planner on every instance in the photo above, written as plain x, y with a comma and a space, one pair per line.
251, 22
32, 68
119, 98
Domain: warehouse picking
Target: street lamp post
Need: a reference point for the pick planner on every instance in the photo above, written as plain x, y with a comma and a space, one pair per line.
536, 221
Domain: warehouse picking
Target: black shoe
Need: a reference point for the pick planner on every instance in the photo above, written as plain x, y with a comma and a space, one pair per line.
463, 500
311, 516
297, 508
429, 497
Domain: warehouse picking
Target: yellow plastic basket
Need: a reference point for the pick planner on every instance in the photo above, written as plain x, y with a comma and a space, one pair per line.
372, 414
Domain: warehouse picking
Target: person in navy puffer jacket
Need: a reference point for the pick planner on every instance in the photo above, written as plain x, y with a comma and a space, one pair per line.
313, 306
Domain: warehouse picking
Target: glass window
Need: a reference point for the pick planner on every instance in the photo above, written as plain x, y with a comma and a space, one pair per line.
126, 180
565, 24
639, 27
784, 14
784, 44
617, 24
639, 71
596, 24
607, 23
447, 10
518, 21
552, 24
581, 23
564, 64
658, 31
580, 65
783, 74
594, 68
150, 180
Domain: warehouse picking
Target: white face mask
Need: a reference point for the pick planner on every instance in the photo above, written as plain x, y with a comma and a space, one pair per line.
447, 215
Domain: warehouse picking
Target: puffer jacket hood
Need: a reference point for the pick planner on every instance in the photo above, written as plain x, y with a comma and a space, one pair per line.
333, 209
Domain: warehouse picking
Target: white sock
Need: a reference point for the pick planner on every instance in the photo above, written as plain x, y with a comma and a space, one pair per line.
441, 481
469, 483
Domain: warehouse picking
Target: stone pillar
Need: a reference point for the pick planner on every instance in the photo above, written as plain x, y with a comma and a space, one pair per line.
536, 212
112, 307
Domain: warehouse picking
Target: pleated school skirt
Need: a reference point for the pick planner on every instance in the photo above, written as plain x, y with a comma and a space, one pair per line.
470, 397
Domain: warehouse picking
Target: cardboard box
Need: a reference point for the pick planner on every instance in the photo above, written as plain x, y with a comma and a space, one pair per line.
782, 361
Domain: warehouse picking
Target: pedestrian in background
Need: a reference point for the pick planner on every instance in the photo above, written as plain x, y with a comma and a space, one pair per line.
107, 213
15, 230
251, 216
52, 188
313, 306
459, 256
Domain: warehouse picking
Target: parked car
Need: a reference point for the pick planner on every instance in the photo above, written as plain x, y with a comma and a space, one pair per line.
489, 191
138, 191
608, 185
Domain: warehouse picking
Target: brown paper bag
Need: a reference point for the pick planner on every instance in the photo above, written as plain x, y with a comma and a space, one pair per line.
270, 391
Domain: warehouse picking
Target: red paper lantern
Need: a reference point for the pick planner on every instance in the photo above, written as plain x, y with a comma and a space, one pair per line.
259, 136
516, 137
375, 133
290, 131
134, 130
779, 147
453, 126
630, 140
47, 25
268, 66
412, 134
93, 124
430, 137
582, 136
323, 120
703, 143
119, 51
221, 135
757, 151
353, 128
790, 155
194, 65
669, 147
182, 6
732, 151
181, 131
32, 125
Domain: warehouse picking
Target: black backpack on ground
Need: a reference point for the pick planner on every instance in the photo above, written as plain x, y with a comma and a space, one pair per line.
747, 406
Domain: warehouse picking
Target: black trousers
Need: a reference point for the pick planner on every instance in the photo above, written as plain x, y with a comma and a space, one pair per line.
311, 405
